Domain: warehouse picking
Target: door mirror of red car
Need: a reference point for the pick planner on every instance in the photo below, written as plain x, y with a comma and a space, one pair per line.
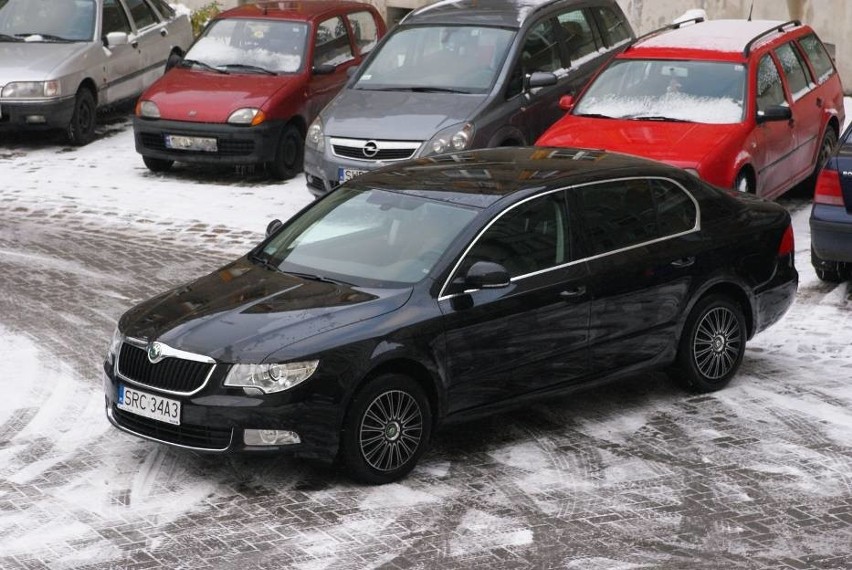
539, 79
273, 227
174, 59
351, 71
486, 275
774, 113
114, 39
324, 69
566, 102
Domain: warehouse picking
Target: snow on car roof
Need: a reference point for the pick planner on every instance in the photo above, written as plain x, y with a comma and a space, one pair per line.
713, 35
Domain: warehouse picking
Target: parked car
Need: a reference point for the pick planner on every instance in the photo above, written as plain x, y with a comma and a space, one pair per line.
459, 75
831, 215
751, 105
450, 286
61, 61
252, 83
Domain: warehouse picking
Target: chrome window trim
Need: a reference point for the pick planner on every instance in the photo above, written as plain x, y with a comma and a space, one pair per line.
111, 417
166, 351
695, 228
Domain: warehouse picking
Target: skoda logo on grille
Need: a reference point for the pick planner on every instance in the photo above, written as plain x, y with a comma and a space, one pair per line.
371, 149
155, 352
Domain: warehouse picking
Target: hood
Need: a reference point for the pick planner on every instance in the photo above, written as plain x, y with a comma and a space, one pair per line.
667, 141
396, 115
204, 97
244, 312
39, 61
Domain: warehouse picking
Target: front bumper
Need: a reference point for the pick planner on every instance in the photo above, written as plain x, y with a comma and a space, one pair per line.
213, 420
831, 233
48, 114
235, 144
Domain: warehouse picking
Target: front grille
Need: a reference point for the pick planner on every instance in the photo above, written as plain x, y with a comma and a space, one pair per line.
172, 374
383, 154
225, 147
187, 435
152, 141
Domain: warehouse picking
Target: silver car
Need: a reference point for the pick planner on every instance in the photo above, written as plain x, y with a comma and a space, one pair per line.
60, 60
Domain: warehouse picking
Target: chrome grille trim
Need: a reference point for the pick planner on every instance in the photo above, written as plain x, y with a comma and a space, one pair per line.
167, 352
353, 149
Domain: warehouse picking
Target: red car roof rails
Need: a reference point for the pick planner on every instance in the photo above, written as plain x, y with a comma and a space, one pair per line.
771, 30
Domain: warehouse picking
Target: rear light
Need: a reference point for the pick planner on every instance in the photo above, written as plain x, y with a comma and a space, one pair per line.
828, 190
788, 242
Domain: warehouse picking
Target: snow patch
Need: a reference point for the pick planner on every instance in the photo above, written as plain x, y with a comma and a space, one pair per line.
479, 531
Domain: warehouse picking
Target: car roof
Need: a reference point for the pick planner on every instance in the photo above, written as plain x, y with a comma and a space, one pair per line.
712, 39
290, 9
481, 177
501, 13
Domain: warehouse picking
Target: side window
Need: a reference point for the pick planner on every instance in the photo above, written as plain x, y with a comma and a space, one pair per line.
528, 238
618, 214
142, 14
163, 8
675, 210
579, 39
613, 24
798, 78
540, 52
365, 30
332, 45
115, 20
819, 58
769, 89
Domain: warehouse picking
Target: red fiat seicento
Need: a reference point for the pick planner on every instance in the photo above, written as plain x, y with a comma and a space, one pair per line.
751, 105
250, 85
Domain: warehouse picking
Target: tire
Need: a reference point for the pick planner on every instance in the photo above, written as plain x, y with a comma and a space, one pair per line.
829, 142
289, 154
828, 271
157, 164
743, 183
712, 344
386, 430
81, 129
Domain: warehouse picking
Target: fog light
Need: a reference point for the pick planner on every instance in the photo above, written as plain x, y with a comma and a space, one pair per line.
37, 119
270, 437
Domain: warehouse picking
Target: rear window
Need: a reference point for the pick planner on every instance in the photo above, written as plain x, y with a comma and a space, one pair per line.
618, 214
818, 56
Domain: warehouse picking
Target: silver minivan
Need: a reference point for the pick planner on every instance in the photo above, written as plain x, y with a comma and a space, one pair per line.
60, 60
462, 74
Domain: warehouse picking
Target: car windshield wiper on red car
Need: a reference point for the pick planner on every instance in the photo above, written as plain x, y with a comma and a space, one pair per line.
593, 115
656, 118
207, 66
247, 67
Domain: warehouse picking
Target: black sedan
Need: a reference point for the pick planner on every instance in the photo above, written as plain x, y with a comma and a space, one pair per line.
447, 287
831, 215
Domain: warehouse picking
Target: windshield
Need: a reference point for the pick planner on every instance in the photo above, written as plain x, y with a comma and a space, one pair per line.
696, 91
462, 59
364, 235
47, 20
277, 46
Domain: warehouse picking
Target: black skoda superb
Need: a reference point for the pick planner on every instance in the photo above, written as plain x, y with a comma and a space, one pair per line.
451, 286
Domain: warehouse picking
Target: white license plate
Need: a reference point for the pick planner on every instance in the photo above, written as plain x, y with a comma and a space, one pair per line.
148, 405
347, 174
204, 144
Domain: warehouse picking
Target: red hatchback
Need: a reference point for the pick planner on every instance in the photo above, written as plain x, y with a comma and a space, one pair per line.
251, 84
752, 105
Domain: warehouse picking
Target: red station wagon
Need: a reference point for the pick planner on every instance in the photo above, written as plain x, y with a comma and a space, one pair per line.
752, 105
251, 84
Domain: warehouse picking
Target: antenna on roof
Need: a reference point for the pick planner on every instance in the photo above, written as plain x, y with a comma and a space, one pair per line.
750, 10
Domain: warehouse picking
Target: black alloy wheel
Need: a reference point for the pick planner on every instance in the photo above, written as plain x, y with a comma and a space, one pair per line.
81, 129
289, 154
386, 430
829, 141
157, 164
712, 345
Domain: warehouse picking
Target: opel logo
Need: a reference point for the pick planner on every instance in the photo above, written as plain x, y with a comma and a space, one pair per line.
371, 149
155, 352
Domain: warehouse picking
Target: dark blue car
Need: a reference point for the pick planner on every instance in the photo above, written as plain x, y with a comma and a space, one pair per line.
831, 216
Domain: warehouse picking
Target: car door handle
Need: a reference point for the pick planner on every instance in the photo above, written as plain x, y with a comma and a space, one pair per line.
164, 32
573, 293
683, 262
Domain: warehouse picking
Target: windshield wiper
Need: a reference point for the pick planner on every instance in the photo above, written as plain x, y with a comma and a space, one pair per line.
8, 38
49, 37
593, 115
265, 261
313, 277
656, 118
191, 62
416, 89
250, 68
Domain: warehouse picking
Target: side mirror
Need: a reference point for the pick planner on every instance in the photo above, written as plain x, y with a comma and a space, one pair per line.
774, 113
351, 71
174, 59
539, 79
324, 69
486, 275
566, 102
114, 39
273, 227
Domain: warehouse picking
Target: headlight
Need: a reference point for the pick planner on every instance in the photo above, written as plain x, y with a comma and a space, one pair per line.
115, 344
247, 116
453, 139
270, 378
148, 109
24, 89
316, 138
